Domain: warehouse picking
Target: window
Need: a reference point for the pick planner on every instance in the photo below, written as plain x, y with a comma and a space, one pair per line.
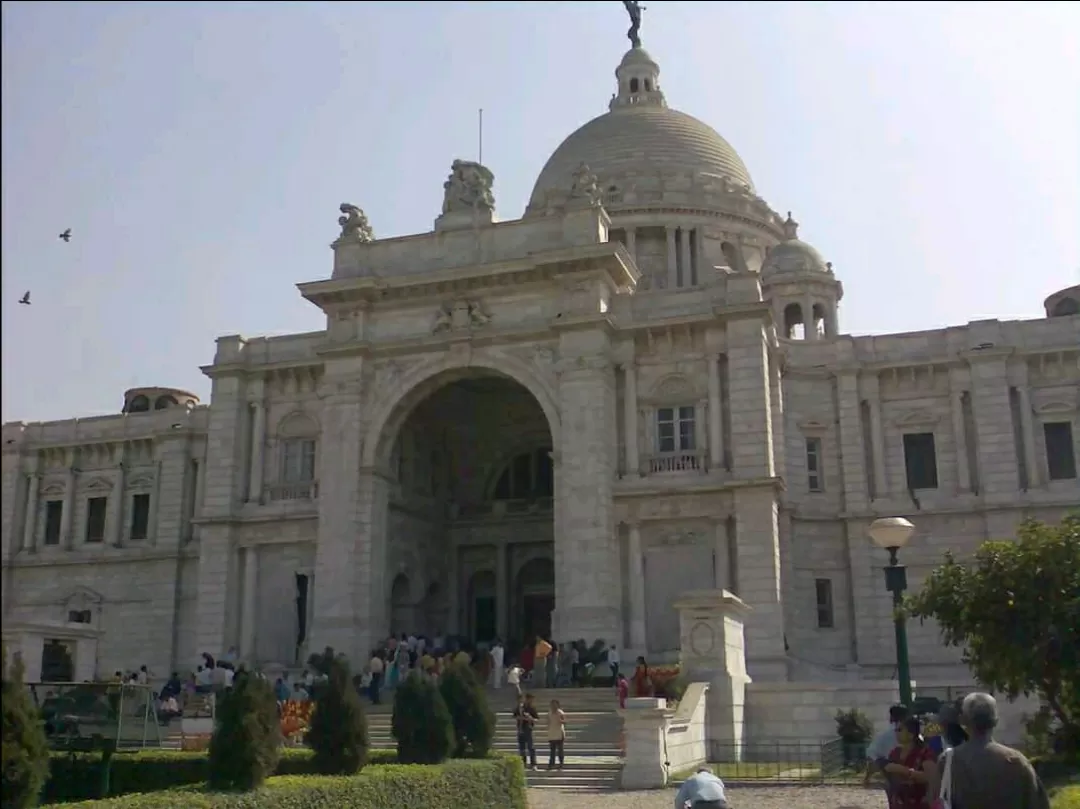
1060, 454
164, 402
823, 593
298, 461
139, 404
814, 478
96, 509
54, 517
140, 516
80, 616
527, 476
675, 429
920, 461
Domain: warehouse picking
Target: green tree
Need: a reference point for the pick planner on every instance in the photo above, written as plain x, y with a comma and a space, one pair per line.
338, 734
25, 748
1015, 611
246, 745
474, 723
421, 723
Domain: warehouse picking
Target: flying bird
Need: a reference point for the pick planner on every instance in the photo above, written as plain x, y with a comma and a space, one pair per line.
66, 235
25, 299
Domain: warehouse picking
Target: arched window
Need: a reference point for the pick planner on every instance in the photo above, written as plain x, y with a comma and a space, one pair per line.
733, 256
527, 476
164, 402
138, 404
794, 326
633, 85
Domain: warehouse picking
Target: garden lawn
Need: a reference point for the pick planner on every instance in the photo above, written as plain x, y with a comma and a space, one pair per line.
1067, 797
493, 783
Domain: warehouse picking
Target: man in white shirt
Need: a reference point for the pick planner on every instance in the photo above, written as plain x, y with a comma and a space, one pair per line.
613, 661
702, 790
204, 679
497, 655
878, 751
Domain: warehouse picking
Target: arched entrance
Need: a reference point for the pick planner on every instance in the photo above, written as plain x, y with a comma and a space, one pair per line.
470, 498
534, 601
401, 608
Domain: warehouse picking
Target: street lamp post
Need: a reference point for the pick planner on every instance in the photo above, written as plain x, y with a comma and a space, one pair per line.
892, 534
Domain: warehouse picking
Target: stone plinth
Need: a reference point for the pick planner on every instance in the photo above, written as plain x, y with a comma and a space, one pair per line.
645, 761
712, 649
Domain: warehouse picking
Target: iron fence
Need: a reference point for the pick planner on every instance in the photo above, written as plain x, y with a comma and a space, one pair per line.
792, 762
93, 716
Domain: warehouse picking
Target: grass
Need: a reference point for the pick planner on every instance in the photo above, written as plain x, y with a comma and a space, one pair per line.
1065, 797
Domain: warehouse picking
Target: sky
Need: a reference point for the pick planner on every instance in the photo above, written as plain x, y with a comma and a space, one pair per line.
199, 151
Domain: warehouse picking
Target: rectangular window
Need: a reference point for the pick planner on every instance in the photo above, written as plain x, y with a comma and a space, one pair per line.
140, 516
96, 509
823, 590
54, 518
298, 461
814, 478
920, 461
1060, 452
675, 429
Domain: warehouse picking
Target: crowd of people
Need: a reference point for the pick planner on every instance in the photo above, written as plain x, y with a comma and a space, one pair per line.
963, 766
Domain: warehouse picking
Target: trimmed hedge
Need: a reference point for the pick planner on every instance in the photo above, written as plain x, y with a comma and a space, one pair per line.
74, 778
493, 783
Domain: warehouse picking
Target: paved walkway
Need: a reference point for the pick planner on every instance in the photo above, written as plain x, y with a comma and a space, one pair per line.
823, 797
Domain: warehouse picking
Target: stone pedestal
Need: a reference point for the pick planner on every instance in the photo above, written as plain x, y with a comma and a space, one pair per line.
644, 761
712, 650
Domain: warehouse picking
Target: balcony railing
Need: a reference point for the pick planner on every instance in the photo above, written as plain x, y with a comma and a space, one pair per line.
304, 490
675, 462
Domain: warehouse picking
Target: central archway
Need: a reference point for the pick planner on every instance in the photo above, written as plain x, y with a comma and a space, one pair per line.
468, 453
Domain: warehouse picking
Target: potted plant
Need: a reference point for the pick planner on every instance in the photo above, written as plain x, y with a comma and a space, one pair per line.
855, 731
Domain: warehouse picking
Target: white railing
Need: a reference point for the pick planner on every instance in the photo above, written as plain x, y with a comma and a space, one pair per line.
305, 490
675, 462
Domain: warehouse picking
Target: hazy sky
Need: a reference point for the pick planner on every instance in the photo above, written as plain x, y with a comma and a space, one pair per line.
199, 152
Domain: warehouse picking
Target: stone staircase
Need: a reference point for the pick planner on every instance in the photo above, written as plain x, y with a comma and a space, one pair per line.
593, 730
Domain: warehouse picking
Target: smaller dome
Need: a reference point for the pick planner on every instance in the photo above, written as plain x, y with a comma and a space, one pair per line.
1064, 302
794, 255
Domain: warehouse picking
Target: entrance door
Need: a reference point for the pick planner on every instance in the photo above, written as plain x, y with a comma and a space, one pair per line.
56, 663
537, 615
485, 618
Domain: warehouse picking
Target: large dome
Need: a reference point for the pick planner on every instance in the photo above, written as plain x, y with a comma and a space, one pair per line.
640, 133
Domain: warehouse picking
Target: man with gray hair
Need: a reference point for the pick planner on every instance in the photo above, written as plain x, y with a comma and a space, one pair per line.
985, 773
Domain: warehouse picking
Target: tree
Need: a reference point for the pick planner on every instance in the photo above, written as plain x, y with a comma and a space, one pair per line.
474, 723
338, 733
421, 723
25, 748
246, 745
1015, 611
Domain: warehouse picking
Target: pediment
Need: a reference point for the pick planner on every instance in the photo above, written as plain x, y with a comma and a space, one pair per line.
53, 488
141, 481
813, 426
676, 389
81, 597
922, 417
99, 484
1055, 407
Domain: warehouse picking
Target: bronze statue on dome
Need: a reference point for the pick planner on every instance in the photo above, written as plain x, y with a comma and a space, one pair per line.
634, 9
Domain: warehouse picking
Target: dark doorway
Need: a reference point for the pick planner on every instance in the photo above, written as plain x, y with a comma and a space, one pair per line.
56, 663
485, 618
536, 620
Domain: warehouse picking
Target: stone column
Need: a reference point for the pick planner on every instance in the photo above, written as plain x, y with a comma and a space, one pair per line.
258, 445
672, 258
757, 541
809, 327
631, 243
249, 608
636, 581
956, 411
993, 426
67, 517
716, 447
871, 387
587, 587
722, 557
712, 650
200, 489
453, 587
155, 503
685, 263
29, 540
753, 452
502, 591
1027, 431
116, 505
630, 419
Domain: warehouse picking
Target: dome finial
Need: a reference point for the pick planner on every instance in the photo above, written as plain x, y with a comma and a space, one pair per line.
791, 227
634, 9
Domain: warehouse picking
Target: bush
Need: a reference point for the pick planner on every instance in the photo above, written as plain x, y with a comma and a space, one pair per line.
75, 777
473, 720
493, 783
338, 733
421, 723
25, 749
854, 727
246, 745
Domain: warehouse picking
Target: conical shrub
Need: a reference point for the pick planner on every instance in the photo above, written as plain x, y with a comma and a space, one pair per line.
473, 720
25, 748
338, 734
421, 723
246, 745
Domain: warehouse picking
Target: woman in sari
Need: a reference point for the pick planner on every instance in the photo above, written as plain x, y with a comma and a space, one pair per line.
642, 683
393, 672
910, 768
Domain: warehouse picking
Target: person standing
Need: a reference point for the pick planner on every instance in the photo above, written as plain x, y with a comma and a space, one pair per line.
526, 717
877, 754
376, 667
910, 767
556, 735
498, 654
986, 773
613, 661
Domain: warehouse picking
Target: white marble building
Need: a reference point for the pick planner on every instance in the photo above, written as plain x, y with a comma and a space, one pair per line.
564, 421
